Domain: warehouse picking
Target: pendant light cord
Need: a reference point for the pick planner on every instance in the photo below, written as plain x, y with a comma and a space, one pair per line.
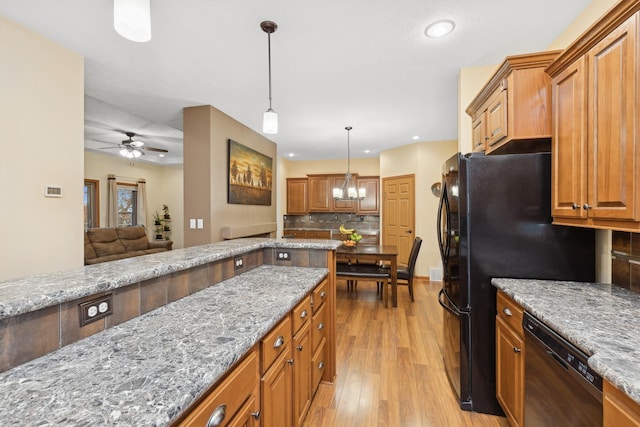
269, 49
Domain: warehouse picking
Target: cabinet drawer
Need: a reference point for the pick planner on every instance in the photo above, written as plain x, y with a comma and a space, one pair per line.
510, 312
275, 342
301, 314
317, 366
318, 327
295, 234
319, 295
229, 396
318, 234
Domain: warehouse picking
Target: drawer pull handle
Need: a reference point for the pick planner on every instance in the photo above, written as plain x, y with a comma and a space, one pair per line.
517, 350
256, 415
303, 314
323, 294
321, 365
321, 326
279, 342
575, 206
217, 417
507, 311
299, 348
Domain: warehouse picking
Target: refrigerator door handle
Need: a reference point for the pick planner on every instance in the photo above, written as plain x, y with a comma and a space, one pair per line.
449, 305
443, 206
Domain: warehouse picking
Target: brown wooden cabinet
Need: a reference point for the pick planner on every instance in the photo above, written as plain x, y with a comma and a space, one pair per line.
307, 234
618, 409
595, 172
235, 402
510, 359
297, 196
370, 205
511, 113
319, 193
302, 392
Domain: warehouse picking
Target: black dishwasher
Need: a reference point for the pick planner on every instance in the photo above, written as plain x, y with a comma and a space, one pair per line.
560, 388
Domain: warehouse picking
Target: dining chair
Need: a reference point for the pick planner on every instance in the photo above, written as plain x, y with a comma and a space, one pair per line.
405, 274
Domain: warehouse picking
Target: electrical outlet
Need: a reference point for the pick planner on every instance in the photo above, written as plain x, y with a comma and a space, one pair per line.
238, 262
96, 309
283, 255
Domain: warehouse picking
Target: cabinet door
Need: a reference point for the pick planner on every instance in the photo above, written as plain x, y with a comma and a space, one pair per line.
569, 142
370, 205
612, 119
301, 374
618, 408
479, 134
297, 196
248, 415
319, 191
510, 372
276, 392
496, 117
341, 205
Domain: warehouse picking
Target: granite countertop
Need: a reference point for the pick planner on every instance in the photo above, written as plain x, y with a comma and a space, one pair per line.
146, 371
600, 319
31, 293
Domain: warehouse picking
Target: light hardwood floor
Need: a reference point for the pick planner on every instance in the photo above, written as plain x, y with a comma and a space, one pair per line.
389, 365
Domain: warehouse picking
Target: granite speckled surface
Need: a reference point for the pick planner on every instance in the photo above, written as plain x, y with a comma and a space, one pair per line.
34, 292
600, 319
144, 372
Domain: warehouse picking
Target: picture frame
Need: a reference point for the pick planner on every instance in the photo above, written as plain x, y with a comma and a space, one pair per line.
249, 177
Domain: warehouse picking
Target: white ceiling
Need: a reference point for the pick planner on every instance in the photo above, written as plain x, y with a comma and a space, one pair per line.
363, 63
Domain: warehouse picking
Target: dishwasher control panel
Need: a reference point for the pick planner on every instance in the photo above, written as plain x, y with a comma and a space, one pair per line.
561, 350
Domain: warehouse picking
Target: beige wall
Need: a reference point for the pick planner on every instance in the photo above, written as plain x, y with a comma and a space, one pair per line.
424, 160
164, 186
41, 117
206, 131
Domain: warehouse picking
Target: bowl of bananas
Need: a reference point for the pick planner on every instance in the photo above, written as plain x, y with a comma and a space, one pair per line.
351, 237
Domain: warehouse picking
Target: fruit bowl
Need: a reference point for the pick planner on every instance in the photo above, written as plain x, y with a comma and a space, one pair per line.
349, 243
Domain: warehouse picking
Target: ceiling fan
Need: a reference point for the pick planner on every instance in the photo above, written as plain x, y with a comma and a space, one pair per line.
131, 148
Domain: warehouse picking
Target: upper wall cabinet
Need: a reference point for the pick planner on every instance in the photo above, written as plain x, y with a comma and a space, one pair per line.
315, 194
512, 114
297, 196
595, 164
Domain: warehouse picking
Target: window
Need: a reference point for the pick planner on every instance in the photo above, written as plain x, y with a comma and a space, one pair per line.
91, 203
127, 204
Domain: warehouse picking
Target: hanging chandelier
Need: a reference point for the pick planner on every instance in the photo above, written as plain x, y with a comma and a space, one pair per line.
349, 190
132, 19
270, 117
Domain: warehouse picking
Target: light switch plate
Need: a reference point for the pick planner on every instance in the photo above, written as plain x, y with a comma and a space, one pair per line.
52, 191
192, 223
200, 223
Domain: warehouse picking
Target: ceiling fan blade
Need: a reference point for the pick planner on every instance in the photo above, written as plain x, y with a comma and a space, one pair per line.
106, 142
107, 148
159, 150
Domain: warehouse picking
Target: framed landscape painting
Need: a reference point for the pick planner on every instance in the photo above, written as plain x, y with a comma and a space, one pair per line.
250, 176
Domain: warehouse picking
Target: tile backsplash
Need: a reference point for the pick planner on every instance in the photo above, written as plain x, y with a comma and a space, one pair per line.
625, 260
331, 221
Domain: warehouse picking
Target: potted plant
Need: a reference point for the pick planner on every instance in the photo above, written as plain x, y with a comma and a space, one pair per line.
156, 218
165, 209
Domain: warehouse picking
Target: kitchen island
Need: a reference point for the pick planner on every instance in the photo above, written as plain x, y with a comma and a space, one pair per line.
600, 319
151, 368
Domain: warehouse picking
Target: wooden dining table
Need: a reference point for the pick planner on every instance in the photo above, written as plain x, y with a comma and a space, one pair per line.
375, 253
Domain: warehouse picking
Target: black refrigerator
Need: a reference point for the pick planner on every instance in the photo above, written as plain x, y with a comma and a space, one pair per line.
494, 220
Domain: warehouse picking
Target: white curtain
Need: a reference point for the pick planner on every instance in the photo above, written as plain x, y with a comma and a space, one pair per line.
112, 201
141, 203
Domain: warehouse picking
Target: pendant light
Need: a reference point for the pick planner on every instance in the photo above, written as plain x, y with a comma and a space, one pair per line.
270, 117
348, 190
132, 19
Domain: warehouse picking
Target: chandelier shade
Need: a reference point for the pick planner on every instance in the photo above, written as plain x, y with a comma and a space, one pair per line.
349, 189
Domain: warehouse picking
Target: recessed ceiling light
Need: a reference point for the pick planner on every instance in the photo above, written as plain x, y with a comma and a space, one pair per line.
367, 151
439, 28
291, 154
415, 137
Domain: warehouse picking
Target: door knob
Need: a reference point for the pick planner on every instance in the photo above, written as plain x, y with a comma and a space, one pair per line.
409, 231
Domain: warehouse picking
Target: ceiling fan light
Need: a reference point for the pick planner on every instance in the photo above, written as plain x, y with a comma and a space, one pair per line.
124, 152
132, 19
270, 122
136, 153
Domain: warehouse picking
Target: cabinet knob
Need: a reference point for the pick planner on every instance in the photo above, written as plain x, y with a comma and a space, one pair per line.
507, 311
586, 207
290, 361
256, 415
321, 326
217, 416
303, 314
299, 348
575, 206
517, 350
323, 294
321, 365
